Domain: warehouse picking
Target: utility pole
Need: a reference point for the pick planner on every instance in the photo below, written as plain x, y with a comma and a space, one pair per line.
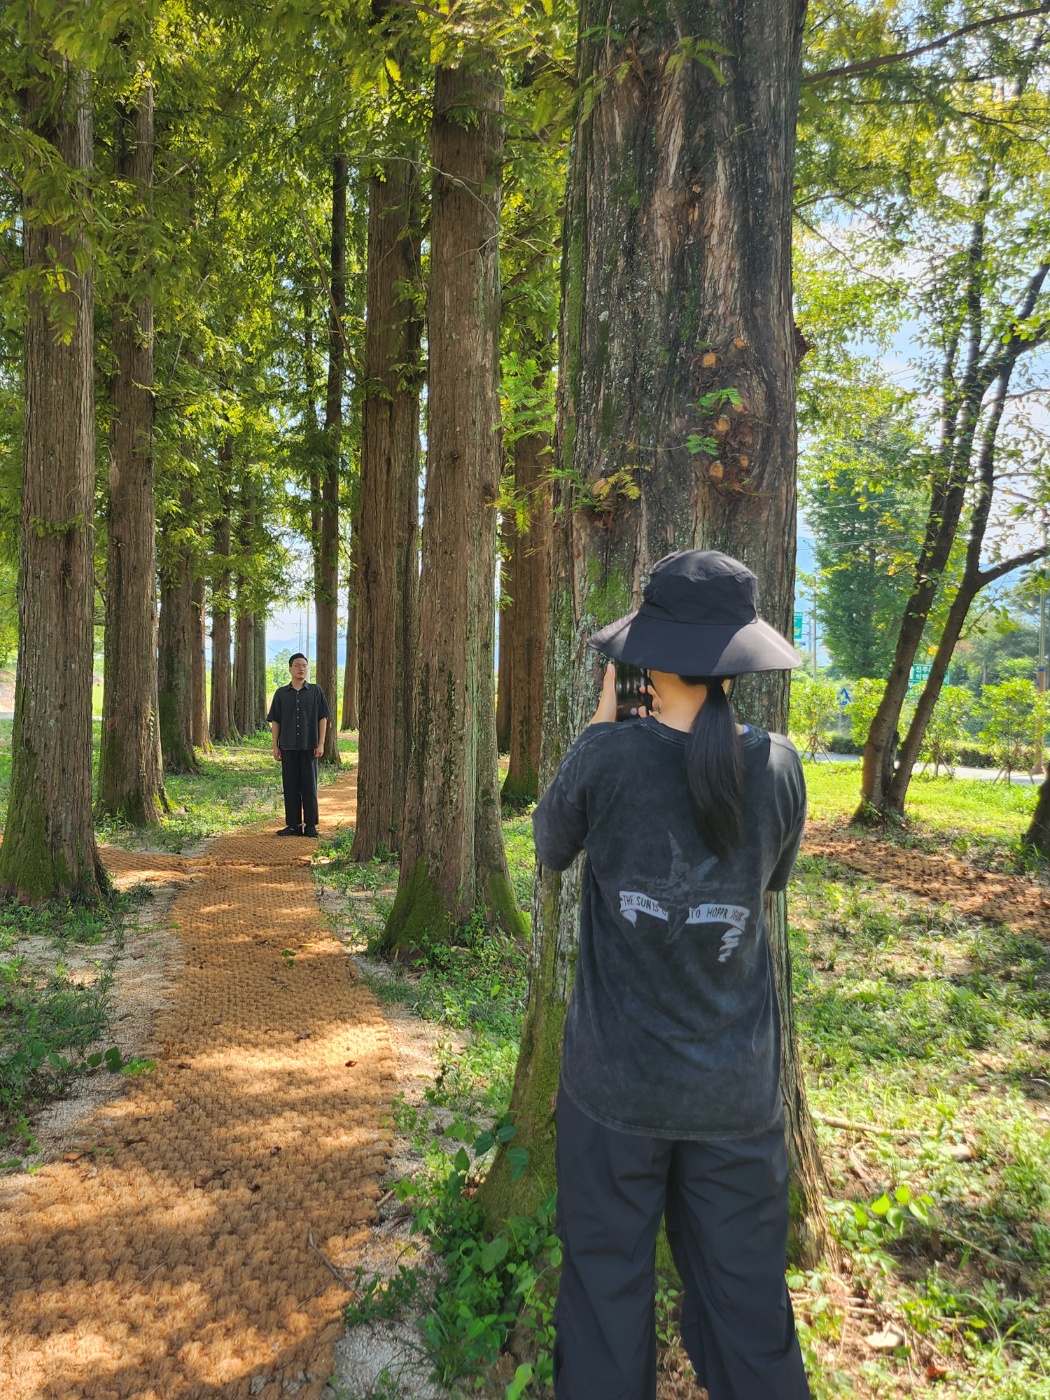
1040, 670
813, 635
1040, 674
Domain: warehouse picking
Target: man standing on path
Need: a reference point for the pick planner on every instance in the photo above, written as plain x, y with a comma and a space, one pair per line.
298, 720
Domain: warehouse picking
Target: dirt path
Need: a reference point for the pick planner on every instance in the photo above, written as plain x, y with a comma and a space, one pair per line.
171, 1259
977, 894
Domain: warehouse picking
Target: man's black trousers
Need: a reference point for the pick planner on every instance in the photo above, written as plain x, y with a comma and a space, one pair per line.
299, 779
726, 1211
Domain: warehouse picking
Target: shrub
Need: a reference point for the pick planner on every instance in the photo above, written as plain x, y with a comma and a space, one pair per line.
941, 743
814, 710
1015, 718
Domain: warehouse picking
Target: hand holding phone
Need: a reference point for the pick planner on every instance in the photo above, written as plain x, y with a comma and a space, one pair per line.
632, 692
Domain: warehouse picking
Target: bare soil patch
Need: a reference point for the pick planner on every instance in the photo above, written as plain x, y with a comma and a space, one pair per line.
1022, 901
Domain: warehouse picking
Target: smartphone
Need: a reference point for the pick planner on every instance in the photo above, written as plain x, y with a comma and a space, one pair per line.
630, 695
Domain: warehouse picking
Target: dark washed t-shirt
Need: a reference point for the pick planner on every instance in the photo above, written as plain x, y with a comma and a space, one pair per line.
673, 1028
298, 713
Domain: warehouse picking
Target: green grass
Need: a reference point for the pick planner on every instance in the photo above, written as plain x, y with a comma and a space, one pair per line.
238, 785
49, 1015
944, 807
911, 1018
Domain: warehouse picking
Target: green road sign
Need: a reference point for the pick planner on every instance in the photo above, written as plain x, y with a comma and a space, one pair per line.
920, 673
799, 625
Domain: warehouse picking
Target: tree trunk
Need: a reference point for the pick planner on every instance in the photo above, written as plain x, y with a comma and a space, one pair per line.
130, 778
987, 360
1037, 837
49, 839
973, 580
523, 625
198, 666
326, 672
386, 576
244, 671
507, 536
178, 637
260, 700
351, 677
452, 856
677, 289
221, 720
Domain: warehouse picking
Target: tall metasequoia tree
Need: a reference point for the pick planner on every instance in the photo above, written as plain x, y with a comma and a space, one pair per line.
130, 776
199, 732
523, 621
221, 715
452, 855
326, 542
177, 635
245, 684
386, 576
507, 535
348, 718
261, 701
49, 840
676, 290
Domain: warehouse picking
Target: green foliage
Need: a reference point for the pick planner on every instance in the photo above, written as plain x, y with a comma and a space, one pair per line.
1015, 719
946, 730
49, 1015
866, 695
491, 1284
814, 710
866, 520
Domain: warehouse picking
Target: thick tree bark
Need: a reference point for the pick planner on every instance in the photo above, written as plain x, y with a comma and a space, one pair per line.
245, 685
49, 839
221, 716
523, 624
198, 666
452, 855
260, 699
244, 671
352, 666
326, 671
507, 536
177, 639
677, 289
386, 577
130, 778
1037, 837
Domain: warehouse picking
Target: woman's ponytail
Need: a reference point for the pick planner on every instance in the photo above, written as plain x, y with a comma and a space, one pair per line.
714, 769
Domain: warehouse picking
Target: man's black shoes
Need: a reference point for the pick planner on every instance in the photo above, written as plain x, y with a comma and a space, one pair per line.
291, 831
311, 831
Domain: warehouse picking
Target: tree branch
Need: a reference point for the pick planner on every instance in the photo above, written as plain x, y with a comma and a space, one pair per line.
1030, 556
867, 65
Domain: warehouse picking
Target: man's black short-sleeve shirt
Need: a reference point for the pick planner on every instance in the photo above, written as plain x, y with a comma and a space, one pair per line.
298, 713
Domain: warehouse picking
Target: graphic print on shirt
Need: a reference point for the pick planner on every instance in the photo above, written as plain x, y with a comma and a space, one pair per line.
670, 900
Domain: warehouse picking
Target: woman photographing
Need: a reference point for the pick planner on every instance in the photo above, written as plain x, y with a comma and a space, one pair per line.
669, 1104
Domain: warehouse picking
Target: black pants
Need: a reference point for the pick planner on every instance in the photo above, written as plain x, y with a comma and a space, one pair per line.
726, 1208
299, 780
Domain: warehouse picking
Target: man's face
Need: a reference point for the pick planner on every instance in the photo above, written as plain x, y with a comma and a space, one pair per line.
299, 669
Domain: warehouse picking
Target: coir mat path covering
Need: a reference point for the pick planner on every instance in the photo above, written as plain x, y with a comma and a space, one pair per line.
172, 1260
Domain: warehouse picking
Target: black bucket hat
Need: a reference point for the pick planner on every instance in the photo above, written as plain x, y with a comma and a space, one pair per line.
698, 617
